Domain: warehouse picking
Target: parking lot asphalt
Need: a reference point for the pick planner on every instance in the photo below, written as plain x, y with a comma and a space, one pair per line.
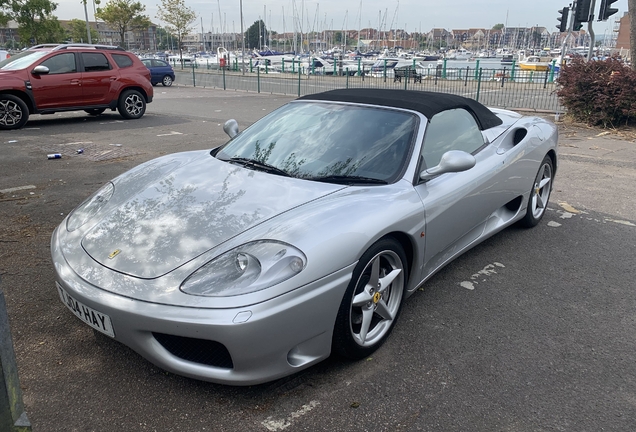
541, 338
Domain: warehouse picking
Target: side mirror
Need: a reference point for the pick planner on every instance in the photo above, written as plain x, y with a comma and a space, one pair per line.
231, 128
40, 70
451, 161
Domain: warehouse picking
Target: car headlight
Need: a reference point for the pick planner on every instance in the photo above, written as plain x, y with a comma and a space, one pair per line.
248, 268
90, 207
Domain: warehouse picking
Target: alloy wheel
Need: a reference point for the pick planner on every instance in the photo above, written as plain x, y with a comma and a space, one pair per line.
134, 105
10, 113
541, 190
377, 298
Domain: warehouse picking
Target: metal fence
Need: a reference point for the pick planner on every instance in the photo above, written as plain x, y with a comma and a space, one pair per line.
510, 88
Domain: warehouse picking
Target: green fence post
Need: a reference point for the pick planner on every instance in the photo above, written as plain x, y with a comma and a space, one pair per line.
335, 66
444, 69
223, 71
13, 418
251, 65
347, 81
313, 66
283, 66
552, 71
476, 68
294, 65
512, 71
258, 80
299, 76
384, 70
266, 66
194, 79
478, 85
359, 71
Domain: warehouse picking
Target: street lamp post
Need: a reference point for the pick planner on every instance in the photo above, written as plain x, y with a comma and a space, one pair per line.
88, 28
242, 39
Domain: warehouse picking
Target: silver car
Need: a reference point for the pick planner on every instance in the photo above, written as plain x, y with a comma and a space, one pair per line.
301, 236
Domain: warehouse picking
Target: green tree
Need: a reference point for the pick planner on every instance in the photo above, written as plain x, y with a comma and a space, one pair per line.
163, 41
76, 31
36, 21
5, 10
498, 27
125, 16
256, 34
178, 18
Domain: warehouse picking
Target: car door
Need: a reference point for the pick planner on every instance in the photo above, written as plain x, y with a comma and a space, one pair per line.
153, 71
61, 86
162, 68
99, 79
458, 205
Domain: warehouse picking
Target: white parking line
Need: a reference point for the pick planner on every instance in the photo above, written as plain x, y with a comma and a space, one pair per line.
282, 424
490, 269
15, 189
171, 133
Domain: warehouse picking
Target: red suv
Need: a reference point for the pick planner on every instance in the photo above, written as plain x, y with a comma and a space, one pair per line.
49, 78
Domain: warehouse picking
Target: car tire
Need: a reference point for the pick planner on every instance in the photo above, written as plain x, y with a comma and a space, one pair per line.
166, 81
539, 194
14, 113
95, 111
368, 313
131, 105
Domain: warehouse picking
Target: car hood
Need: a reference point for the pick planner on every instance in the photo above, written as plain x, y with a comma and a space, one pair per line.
189, 211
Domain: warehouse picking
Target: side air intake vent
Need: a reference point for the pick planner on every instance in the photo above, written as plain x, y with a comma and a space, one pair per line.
201, 351
520, 134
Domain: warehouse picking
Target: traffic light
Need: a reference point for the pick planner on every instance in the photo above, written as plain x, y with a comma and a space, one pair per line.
582, 10
563, 19
606, 11
581, 14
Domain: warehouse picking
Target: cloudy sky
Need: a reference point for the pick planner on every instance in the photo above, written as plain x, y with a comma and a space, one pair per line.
412, 15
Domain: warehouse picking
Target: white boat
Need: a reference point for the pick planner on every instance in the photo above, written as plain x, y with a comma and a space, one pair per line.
534, 63
459, 54
185, 60
273, 58
387, 66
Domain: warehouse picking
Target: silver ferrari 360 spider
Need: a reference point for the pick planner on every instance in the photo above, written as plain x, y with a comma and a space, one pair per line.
303, 234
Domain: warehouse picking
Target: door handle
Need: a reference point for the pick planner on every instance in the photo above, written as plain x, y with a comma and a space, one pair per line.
113, 78
75, 82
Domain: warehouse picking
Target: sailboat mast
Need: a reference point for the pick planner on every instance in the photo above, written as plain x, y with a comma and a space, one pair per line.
359, 25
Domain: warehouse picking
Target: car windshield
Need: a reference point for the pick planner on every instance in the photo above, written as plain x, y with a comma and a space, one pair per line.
22, 60
327, 142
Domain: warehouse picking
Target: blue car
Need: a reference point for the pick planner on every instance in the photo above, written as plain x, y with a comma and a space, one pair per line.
160, 71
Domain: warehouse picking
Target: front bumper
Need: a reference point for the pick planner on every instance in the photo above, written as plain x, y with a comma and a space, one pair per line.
265, 341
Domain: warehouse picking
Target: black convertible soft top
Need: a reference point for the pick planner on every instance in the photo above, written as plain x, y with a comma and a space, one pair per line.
427, 103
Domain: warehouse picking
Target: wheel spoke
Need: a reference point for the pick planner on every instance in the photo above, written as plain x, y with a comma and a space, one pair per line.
387, 280
367, 317
374, 278
383, 310
361, 300
539, 202
544, 182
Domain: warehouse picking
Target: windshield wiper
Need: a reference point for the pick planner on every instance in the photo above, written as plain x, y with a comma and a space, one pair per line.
348, 180
252, 163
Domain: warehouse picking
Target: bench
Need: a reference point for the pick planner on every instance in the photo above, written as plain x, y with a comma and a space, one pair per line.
398, 73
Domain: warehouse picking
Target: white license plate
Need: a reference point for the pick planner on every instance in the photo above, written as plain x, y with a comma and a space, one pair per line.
90, 316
